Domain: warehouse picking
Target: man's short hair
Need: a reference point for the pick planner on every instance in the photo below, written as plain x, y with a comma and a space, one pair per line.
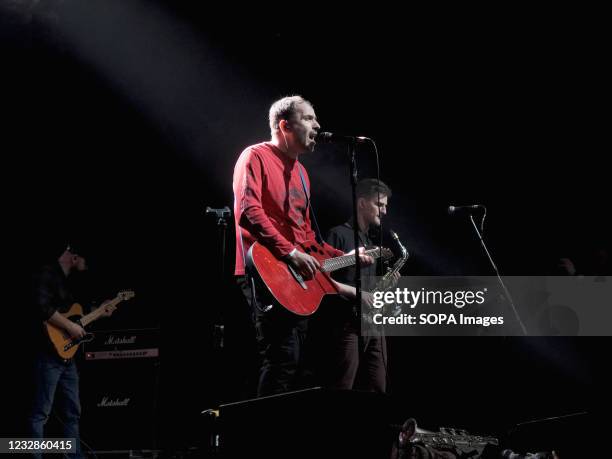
284, 109
371, 188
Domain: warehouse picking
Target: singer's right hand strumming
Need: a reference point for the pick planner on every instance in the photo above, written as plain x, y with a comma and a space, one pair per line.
305, 265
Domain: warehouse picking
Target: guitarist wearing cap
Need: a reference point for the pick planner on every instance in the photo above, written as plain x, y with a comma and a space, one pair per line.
57, 379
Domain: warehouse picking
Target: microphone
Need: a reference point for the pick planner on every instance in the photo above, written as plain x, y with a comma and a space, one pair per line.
328, 137
219, 213
452, 210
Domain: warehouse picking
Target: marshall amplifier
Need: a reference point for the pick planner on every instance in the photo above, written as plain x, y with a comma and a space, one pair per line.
119, 390
123, 344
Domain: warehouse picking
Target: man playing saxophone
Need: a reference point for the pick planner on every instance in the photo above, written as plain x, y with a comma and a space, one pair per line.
350, 360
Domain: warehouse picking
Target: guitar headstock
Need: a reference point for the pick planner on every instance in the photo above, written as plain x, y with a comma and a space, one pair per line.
125, 295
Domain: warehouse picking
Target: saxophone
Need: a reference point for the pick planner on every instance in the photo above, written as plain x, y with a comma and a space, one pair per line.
386, 282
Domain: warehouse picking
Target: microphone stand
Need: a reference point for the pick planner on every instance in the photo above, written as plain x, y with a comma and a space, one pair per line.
221, 215
218, 334
507, 293
353, 173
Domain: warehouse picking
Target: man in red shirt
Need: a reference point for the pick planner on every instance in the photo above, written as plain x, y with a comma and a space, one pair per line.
271, 207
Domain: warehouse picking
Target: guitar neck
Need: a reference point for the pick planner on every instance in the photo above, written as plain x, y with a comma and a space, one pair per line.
344, 261
95, 315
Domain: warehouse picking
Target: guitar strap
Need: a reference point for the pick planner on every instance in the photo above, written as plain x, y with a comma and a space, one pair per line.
309, 206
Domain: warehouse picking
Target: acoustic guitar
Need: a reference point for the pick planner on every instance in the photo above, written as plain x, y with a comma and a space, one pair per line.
288, 287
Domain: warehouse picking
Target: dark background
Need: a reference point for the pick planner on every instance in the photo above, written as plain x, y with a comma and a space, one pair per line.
123, 121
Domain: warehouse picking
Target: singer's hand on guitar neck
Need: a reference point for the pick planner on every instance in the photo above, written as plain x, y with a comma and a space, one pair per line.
366, 260
305, 265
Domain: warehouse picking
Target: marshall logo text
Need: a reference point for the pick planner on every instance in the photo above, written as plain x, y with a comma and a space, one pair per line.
113, 340
108, 402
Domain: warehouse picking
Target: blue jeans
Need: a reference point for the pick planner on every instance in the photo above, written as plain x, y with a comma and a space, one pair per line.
56, 380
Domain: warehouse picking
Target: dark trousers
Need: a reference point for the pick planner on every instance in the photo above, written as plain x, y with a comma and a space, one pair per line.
55, 380
355, 361
280, 341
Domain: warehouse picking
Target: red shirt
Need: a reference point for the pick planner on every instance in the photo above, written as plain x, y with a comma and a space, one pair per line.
270, 205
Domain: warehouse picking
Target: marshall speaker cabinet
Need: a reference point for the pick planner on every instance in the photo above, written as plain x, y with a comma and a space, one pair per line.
119, 390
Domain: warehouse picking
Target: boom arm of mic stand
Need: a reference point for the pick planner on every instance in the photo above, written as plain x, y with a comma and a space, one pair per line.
506, 292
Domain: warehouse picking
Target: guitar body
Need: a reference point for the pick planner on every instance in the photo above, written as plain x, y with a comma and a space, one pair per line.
300, 296
63, 343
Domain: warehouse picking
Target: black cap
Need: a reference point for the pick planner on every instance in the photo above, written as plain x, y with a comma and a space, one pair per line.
77, 246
